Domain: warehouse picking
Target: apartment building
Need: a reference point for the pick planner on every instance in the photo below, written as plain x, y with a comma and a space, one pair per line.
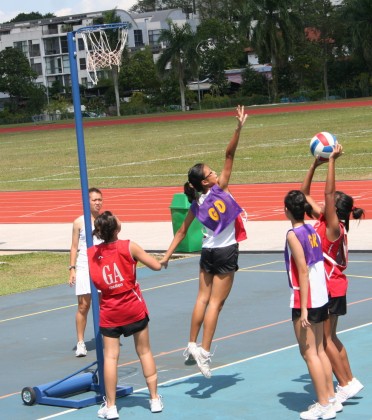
44, 41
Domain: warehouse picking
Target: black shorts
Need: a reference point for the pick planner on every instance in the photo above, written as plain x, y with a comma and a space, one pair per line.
126, 330
337, 305
220, 260
314, 315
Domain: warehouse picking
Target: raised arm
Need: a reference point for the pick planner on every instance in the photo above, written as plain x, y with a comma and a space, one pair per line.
224, 178
306, 185
333, 224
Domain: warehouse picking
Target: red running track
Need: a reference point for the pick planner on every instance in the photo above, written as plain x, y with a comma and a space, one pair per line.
252, 110
262, 202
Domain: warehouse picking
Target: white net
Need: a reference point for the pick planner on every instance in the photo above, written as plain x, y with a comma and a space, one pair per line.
100, 53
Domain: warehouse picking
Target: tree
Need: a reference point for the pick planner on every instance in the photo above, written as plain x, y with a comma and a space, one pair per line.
143, 6
357, 14
320, 28
16, 75
24, 17
276, 25
179, 53
254, 83
220, 48
138, 72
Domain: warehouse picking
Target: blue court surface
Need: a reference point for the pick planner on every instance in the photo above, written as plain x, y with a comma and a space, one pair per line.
258, 372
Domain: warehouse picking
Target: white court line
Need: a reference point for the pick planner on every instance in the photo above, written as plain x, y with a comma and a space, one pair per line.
181, 378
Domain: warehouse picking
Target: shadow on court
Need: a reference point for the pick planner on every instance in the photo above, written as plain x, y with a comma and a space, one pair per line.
258, 372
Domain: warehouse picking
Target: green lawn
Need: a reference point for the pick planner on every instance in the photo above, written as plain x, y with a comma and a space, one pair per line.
273, 148
29, 271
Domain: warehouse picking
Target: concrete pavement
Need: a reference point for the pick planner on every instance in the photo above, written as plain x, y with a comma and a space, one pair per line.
156, 237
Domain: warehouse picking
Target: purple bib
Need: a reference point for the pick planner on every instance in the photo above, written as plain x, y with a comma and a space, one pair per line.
218, 210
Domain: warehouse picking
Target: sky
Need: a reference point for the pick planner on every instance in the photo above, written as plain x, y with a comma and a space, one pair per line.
10, 9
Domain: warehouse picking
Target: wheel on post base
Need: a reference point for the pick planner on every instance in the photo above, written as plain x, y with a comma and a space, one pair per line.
28, 395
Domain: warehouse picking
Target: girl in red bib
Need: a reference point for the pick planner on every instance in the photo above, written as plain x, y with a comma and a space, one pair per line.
309, 301
332, 227
123, 310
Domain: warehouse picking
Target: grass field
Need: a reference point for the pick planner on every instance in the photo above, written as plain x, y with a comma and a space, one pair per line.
34, 270
29, 271
273, 148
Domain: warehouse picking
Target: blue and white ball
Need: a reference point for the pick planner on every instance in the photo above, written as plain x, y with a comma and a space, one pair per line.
322, 145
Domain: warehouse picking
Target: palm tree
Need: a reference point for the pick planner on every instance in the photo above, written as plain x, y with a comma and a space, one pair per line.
179, 53
320, 29
274, 27
358, 16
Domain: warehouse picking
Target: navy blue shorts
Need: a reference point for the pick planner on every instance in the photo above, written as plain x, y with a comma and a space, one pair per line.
220, 260
126, 330
314, 315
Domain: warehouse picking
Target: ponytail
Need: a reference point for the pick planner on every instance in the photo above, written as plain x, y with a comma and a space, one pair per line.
357, 213
190, 192
194, 184
345, 207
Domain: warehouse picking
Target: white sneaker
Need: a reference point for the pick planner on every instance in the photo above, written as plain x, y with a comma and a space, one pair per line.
355, 387
81, 350
336, 405
203, 359
156, 405
188, 354
317, 411
108, 413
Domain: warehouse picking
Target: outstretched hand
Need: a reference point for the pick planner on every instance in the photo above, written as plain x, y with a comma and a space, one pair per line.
164, 263
318, 162
241, 117
337, 151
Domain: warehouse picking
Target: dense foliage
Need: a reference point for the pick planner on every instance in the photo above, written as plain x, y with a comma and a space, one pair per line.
317, 50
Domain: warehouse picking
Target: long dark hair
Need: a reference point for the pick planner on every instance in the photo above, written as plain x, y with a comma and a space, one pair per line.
105, 226
345, 207
296, 203
194, 185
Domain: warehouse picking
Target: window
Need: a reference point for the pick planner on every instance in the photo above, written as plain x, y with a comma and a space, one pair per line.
64, 46
37, 68
53, 65
153, 37
82, 63
51, 46
66, 64
138, 38
34, 49
22, 46
50, 29
80, 44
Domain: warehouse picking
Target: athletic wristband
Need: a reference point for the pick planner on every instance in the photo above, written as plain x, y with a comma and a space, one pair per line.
71, 267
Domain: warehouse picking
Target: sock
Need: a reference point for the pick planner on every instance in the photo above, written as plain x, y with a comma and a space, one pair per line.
204, 353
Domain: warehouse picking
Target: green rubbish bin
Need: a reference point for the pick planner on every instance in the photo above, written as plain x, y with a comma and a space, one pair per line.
193, 239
